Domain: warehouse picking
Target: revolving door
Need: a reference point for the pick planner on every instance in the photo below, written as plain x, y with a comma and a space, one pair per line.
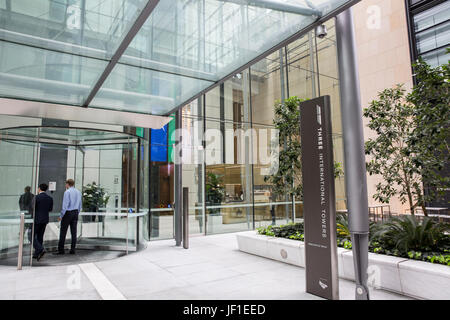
108, 168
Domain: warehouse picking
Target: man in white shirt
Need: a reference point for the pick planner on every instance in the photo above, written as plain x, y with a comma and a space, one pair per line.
69, 216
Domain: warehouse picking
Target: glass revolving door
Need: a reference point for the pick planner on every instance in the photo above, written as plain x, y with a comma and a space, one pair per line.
107, 169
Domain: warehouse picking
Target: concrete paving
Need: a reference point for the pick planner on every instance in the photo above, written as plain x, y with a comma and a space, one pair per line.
213, 268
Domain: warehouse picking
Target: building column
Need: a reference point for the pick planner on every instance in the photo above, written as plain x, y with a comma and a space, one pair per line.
354, 155
178, 210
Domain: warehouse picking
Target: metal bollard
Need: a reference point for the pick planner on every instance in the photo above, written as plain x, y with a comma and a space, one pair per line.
186, 218
21, 235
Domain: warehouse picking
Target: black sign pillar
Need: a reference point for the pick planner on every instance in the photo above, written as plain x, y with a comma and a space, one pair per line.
319, 198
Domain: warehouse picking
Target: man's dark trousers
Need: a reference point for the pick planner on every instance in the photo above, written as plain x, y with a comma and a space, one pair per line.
38, 243
70, 218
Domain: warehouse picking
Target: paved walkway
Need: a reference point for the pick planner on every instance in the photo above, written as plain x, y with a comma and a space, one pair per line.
212, 268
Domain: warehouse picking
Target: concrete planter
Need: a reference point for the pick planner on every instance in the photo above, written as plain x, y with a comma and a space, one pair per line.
417, 279
215, 222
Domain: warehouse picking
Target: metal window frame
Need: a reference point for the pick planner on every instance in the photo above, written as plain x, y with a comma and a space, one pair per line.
282, 44
411, 11
137, 25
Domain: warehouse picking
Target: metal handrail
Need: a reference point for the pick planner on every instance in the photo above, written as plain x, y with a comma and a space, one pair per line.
127, 235
21, 235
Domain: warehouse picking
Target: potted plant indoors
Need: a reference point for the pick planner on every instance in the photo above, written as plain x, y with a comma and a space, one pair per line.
94, 197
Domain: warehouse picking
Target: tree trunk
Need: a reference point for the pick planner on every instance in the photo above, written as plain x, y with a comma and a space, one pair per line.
412, 206
425, 213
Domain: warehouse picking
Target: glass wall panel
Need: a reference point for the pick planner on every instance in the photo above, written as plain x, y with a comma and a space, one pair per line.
193, 164
269, 84
432, 33
142, 90
266, 88
89, 27
210, 39
182, 48
268, 208
302, 68
161, 182
18, 174
229, 159
37, 74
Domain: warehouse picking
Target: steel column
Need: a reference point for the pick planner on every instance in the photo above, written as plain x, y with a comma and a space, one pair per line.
354, 155
21, 235
178, 218
186, 218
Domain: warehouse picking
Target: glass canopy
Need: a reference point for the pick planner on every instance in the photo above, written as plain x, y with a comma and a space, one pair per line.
138, 55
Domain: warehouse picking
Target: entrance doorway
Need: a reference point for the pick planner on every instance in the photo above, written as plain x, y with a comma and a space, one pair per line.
107, 169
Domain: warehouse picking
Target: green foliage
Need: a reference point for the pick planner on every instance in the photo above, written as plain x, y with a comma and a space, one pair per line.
407, 233
343, 231
391, 118
347, 244
430, 137
287, 180
413, 133
442, 259
283, 231
402, 237
338, 170
342, 226
94, 197
297, 236
267, 231
214, 190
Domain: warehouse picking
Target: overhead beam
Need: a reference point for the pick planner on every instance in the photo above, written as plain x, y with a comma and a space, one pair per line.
142, 17
23, 108
278, 6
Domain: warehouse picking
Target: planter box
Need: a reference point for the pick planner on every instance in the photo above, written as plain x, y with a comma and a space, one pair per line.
417, 279
214, 223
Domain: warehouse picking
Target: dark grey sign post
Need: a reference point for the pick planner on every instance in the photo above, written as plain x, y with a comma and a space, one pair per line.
319, 199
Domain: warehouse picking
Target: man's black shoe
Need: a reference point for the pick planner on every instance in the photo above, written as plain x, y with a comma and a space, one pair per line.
58, 253
72, 251
40, 255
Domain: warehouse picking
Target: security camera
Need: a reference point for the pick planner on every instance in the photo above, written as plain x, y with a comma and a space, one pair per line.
321, 31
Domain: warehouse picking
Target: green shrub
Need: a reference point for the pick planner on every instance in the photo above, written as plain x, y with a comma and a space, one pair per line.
402, 237
342, 226
442, 259
283, 231
407, 233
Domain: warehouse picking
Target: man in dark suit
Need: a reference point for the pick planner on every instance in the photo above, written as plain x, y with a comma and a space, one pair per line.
43, 205
26, 200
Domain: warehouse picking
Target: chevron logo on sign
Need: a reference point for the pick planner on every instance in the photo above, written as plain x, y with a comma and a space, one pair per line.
322, 284
319, 115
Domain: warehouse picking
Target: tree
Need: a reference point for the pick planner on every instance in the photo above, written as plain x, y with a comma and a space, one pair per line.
391, 117
430, 138
288, 179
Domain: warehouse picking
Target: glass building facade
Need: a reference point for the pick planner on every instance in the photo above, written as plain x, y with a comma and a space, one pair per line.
227, 190
429, 30
59, 51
